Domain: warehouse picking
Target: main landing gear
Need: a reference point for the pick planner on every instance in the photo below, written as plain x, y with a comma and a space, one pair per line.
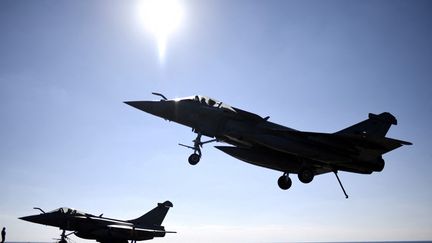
284, 182
196, 156
306, 176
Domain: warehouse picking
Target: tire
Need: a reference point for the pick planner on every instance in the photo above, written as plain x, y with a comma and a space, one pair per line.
306, 175
194, 159
284, 182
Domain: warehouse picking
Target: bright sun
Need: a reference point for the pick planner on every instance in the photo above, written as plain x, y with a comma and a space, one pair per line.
162, 18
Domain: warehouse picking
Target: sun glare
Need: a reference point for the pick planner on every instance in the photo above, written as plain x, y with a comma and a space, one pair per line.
161, 18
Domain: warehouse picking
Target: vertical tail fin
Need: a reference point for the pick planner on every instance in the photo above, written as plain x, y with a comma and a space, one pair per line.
155, 216
377, 125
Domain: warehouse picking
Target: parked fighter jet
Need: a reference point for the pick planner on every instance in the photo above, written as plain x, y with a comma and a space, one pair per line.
358, 148
105, 230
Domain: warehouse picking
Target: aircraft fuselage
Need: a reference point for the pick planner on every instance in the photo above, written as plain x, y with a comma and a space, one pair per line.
358, 148
102, 229
249, 131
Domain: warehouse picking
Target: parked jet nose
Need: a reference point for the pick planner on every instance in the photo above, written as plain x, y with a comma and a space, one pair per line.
164, 109
39, 219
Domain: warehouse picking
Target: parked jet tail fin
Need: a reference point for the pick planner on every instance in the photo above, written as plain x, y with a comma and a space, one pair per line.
377, 125
154, 216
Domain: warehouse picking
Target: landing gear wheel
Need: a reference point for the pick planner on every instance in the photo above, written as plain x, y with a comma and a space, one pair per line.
306, 175
284, 182
194, 159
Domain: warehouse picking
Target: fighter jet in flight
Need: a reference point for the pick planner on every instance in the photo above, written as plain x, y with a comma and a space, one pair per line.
256, 140
105, 230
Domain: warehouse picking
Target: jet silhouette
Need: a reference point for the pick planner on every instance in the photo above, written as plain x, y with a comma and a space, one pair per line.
256, 140
102, 229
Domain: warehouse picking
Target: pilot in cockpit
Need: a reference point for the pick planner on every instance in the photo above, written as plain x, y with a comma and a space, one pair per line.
211, 102
203, 101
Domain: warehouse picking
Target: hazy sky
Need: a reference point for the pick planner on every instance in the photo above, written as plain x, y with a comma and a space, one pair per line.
66, 138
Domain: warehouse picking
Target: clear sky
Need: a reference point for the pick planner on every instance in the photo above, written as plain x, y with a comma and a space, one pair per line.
66, 138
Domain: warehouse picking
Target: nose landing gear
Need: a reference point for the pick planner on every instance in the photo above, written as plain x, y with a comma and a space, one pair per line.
63, 237
196, 156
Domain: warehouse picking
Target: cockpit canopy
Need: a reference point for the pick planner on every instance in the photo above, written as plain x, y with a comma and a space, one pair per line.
207, 101
65, 210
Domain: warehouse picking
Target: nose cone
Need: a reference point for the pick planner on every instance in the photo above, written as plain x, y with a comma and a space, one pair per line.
38, 219
164, 109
